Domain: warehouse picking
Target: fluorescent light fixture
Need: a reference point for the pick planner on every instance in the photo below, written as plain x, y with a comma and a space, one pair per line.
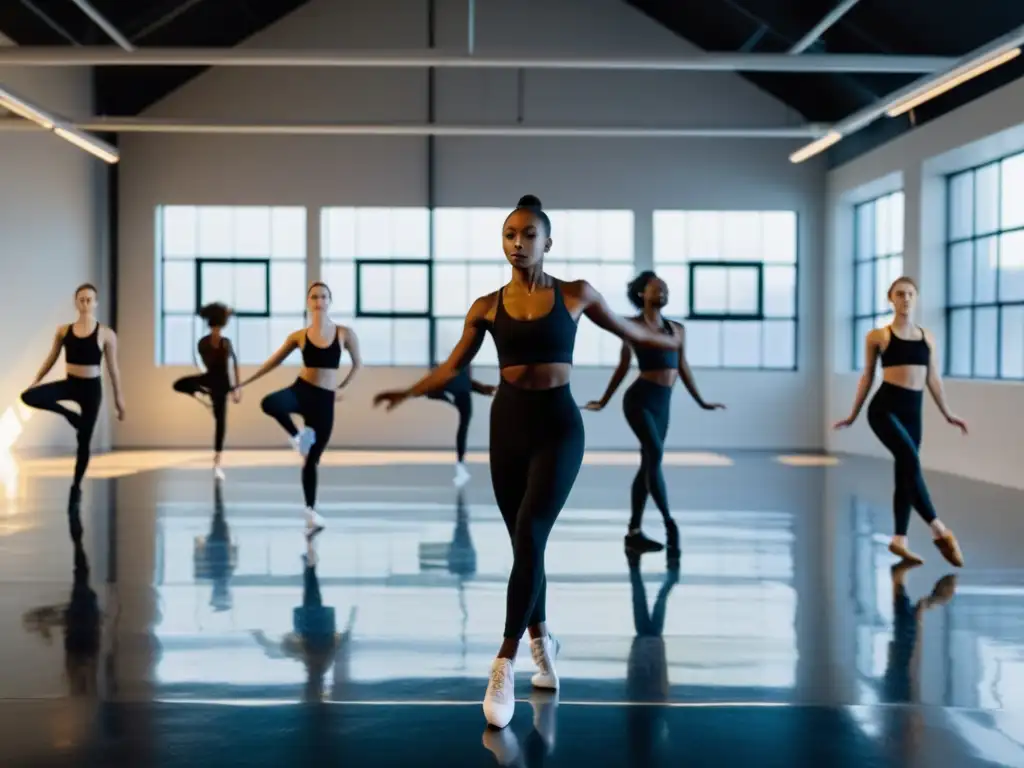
21, 108
816, 146
100, 149
957, 77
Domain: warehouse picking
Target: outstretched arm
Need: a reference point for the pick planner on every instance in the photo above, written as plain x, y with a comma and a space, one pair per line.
472, 338
934, 383
51, 358
686, 375
866, 379
110, 352
289, 346
625, 356
479, 387
597, 309
352, 345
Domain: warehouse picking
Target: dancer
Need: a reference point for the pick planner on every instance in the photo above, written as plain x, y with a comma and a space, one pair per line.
910, 361
313, 394
536, 444
84, 342
458, 391
647, 405
215, 350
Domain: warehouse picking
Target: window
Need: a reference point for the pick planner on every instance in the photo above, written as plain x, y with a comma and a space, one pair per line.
376, 262
877, 262
595, 245
732, 276
252, 258
985, 271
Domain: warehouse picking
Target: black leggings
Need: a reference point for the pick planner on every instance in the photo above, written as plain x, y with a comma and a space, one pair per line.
536, 451
217, 391
88, 394
463, 402
895, 417
647, 407
316, 407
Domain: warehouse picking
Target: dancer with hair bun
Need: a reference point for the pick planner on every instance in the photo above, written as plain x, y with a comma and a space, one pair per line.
910, 362
536, 436
647, 405
313, 393
219, 380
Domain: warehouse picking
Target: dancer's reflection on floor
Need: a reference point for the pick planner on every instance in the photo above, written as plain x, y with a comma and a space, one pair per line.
314, 639
647, 668
216, 556
538, 745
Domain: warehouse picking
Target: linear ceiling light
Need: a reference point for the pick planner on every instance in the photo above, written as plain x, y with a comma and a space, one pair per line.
23, 109
957, 77
816, 146
86, 142
61, 128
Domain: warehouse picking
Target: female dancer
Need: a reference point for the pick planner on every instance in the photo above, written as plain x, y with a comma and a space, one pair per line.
536, 446
313, 394
84, 342
215, 350
458, 392
647, 404
910, 361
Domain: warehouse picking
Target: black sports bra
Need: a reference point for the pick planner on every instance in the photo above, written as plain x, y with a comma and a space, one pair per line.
322, 357
653, 359
547, 339
79, 351
215, 358
905, 351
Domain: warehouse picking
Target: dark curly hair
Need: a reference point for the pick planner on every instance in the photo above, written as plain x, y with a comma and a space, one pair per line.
216, 315
532, 204
635, 289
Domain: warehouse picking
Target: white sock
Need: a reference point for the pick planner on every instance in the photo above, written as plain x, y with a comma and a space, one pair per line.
938, 529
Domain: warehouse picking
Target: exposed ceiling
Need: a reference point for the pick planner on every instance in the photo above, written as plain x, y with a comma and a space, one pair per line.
931, 27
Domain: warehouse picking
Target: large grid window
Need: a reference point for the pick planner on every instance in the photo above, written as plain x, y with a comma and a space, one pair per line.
593, 245
376, 262
732, 275
985, 271
252, 258
878, 261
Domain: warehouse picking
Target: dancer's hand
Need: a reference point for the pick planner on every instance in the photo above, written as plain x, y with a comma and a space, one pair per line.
843, 423
393, 398
956, 421
119, 406
236, 395
594, 405
489, 390
712, 406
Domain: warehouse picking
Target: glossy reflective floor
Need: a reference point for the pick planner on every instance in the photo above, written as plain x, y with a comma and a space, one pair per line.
192, 626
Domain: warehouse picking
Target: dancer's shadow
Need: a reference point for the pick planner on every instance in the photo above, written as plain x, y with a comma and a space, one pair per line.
314, 639
215, 556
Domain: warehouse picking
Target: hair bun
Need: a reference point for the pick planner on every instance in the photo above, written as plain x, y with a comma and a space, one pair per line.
529, 201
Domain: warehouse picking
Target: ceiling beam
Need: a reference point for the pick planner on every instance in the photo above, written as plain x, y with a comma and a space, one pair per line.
823, 26
100, 21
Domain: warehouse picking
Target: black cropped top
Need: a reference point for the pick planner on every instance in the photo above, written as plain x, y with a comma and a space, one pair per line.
653, 359
82, 351
322, 357
905, 351
547, 339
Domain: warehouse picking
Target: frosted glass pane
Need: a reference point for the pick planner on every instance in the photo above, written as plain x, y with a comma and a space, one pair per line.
986, 199
374, 339
860, 332
960, 275
180, 231
485, 234
217, 284
610, 348
446, 335
216, 231
743, 291
451, 290
411, 232
1011, 267
288, 233
339, 233
780, 291
959, 343
865, 298
882, 284
986, 337
778, 344
894, 235
961, 205
250, 288
409, 284
865, 231
484, 279
741, 236
179, 286
613, 281
588, 344
986, 263
411, 345
451, 234
710, 291
253, 345
741, 343
678, 281
778, 230
704, 236
1012, 192
669, 237
341, 278
704, 343
1012, 352
376, 288
279, 328
883, 212
373, 233
252, 231
178, 340
581, 240
287, 287
615, 236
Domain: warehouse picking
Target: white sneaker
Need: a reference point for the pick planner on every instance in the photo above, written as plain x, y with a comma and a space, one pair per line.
314, 523
461, 474
500, 699
544, 651
303, 441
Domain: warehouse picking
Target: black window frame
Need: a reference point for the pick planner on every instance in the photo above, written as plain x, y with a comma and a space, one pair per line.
757, 266
394, 315
265, 263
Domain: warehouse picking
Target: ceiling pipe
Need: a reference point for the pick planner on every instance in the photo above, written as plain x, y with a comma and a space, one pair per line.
94, 56
823, 26
100, 21
148, 125
471, 26
34, 117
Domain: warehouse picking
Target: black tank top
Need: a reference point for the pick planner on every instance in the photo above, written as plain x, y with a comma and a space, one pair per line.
322, 357
905, 352
79, 351
547, 339
215, 358
650, 359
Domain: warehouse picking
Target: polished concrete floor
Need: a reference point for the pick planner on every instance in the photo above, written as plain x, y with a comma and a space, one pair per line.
187, 627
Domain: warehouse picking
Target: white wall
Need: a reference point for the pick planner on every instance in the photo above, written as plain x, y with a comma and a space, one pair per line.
642, 175
52, 203
917, 162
